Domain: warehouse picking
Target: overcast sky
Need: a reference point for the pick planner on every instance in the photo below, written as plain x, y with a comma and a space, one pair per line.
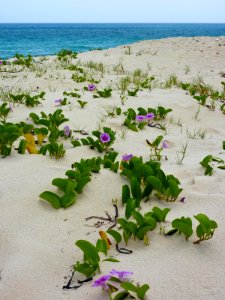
103, 11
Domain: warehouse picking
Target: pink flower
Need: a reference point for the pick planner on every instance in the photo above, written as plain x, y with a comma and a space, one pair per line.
140, 118
150, 116
127, 157
58, 102
120, 274
67, 131
105, 137
165, 145
101, 282
91, 87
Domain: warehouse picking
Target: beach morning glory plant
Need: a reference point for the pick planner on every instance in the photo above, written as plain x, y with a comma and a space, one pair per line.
119, 286
156, 148
103, 142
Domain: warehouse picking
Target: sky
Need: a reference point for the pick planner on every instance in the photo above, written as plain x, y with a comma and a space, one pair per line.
112, 11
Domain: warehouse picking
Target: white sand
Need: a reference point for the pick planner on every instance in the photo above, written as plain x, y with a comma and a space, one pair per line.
37, 242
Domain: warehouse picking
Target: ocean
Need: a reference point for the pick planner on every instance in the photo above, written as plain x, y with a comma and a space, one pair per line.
47, 39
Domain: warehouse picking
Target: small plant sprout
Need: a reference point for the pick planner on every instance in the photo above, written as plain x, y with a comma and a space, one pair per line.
183, 225
196, 134
156, 149
171, 81
210, 161
205, 229
4, 111
91, 261
82, 103
106, 93
123, 99
9, 133
181, 154
123, 134
112, 111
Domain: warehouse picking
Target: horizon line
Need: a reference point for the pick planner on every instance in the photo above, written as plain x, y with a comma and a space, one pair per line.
112, 22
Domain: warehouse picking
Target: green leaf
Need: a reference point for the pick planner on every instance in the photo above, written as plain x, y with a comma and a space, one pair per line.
160, 214
135, 188
132, 227
138, 217
206, 160
81, 184
128, 286
155, 182
121, 295
183, 225
101, 246
111, 259
157, 141
223, 145
76, 143
206, 225
115, 234
66, 185
208, 170
52, 198
142, 291
142, 231
221, 167
174, 189
130, 207
68, 199
89, 251
22, 146
125, 193
84, 268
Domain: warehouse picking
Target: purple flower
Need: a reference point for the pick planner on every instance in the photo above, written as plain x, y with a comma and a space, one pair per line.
105, 137
140, 118
127, 157
91, 87
120, 274
58, 102
67, 131
150, 116
101, 282
165, 145
0, 62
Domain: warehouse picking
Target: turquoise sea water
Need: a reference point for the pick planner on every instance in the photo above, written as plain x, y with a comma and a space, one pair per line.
45, 39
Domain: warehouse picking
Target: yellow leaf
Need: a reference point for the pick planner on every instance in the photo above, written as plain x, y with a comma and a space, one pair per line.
40, 138
104, 237
31, 146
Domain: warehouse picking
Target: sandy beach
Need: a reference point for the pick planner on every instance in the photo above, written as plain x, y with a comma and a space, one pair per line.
37, 242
